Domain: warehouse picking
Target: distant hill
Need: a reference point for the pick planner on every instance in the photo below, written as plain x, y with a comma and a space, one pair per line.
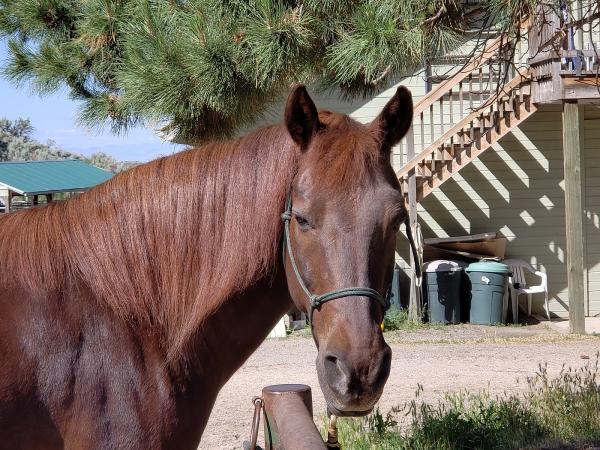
17, 144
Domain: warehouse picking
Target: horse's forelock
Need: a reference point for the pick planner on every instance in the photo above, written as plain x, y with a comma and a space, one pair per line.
344, 154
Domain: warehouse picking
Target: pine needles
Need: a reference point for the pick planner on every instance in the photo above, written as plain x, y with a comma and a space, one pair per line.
204, 68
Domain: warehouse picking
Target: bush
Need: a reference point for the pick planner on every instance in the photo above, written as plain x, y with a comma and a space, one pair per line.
553, 412
397, 319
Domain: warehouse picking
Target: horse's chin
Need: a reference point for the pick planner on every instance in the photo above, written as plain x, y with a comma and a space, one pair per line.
347, 413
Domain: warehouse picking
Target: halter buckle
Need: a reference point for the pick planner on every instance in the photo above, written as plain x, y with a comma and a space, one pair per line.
315, 301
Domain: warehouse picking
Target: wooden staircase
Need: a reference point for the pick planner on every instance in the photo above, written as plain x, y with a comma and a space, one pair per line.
461, 118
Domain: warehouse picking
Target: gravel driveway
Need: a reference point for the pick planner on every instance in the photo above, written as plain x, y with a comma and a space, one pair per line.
442, 359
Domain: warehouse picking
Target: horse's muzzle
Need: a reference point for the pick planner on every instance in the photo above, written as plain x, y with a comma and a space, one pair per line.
352, 388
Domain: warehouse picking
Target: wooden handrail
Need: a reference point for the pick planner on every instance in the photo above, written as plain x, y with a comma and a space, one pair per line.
490, 49
514, 82
433, 96
561, 30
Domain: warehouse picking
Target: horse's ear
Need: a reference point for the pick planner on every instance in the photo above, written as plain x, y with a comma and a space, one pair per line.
394, 121
301, 116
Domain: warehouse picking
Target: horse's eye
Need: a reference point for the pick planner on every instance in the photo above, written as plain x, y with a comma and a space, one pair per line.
303, 223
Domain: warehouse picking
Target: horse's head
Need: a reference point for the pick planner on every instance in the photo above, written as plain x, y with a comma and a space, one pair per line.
346, 208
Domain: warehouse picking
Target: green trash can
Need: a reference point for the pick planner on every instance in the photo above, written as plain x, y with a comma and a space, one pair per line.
443, 286
489, 280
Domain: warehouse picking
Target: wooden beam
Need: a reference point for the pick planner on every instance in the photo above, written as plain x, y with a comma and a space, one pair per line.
5, 197
572, 125
415, 311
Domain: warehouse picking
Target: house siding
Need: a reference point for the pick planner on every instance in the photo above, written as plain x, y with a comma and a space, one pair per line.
516, 188
592, 207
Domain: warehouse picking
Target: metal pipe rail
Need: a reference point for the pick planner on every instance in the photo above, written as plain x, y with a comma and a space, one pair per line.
288, 420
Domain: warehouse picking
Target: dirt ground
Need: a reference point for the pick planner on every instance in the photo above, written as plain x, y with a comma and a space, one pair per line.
442, 359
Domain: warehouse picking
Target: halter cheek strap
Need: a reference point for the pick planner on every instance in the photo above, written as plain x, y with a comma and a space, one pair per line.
317, 300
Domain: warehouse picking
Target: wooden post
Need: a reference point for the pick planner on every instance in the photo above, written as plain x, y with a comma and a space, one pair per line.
5, 199
572, 124
414, 302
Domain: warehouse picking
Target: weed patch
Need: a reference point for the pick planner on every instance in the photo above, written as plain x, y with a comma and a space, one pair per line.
558, 413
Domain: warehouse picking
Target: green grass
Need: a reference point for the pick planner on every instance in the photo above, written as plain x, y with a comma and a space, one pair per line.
554, 413
398, 319
395, 319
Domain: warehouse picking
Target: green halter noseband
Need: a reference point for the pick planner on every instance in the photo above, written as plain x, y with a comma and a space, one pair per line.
317, 300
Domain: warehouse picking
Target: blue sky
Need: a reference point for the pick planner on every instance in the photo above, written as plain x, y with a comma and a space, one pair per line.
55, 117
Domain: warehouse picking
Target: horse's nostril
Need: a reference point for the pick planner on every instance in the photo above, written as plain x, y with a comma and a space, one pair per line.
336, 373
331, 364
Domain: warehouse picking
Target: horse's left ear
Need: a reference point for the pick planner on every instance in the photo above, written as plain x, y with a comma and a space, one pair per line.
394, 121
301, 116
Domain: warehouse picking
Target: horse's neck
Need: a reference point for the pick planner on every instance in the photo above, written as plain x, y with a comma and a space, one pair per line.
236, 329
227, 338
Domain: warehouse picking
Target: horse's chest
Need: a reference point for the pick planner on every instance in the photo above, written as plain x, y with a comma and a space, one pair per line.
83, 378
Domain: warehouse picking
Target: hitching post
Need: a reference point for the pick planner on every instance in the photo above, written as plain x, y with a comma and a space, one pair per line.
288, 420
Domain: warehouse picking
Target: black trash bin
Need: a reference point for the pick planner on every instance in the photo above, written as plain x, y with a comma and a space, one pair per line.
395, 300
443, 286
488, 286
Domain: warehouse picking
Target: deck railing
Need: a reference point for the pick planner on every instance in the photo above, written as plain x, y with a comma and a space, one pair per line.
565, 40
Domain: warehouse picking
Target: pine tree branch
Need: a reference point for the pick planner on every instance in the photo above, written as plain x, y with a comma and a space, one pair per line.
382, 76
207, 67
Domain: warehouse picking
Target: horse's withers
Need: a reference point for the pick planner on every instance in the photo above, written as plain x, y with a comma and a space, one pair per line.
347, 208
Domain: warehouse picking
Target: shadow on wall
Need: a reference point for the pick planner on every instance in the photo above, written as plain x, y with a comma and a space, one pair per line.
516, 188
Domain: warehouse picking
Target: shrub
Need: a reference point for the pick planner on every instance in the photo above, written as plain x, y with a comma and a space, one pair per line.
395, 319
553, 412
398, 319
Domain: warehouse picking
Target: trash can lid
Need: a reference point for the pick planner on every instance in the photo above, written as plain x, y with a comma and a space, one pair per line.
444, 265
488, 266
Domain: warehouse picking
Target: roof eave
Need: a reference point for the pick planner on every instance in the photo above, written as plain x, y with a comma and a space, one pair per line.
12, 188
60, 191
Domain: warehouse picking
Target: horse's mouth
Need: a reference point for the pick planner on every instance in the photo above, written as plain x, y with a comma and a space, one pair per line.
347, 413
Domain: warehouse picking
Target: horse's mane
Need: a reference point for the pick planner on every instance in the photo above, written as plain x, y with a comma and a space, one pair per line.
166, 243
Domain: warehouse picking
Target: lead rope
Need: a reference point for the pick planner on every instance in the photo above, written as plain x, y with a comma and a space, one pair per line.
332, 434
418, 237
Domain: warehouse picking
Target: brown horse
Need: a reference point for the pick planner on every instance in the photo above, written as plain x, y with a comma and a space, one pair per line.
124, 311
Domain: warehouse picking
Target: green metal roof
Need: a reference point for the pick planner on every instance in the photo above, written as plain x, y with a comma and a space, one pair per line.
43, 177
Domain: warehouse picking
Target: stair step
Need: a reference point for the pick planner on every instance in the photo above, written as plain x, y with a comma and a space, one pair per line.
484, 116
434, 165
